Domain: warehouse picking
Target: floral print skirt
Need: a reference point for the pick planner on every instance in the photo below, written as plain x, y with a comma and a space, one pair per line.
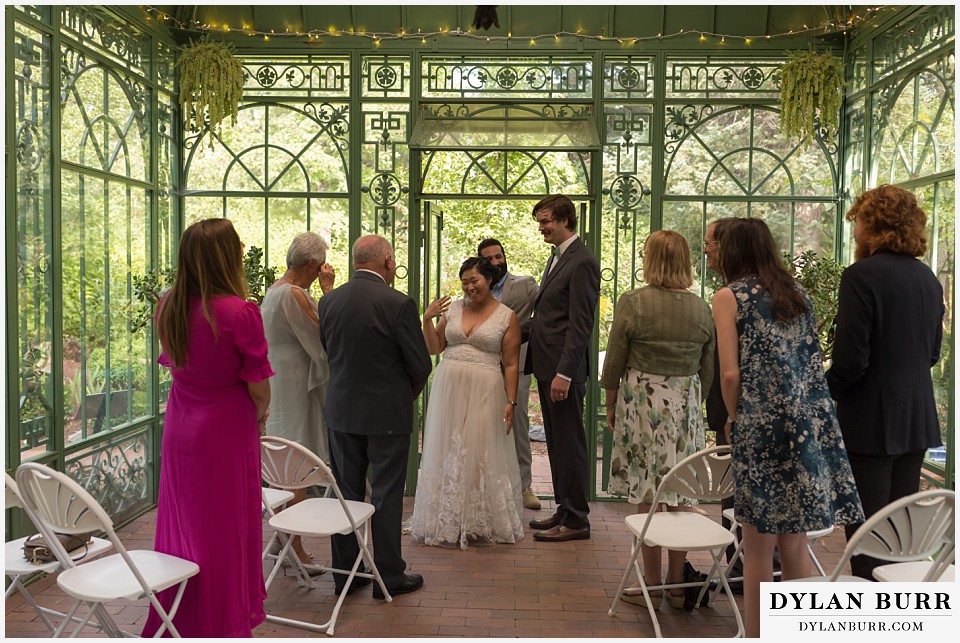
659, 422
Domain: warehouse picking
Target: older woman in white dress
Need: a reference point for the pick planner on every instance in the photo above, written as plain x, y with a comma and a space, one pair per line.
292, 330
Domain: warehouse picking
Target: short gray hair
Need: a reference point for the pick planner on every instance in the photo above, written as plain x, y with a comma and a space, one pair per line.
370, 249
305, 247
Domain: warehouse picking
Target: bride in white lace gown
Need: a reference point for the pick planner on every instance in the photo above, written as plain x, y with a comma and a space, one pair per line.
469, 486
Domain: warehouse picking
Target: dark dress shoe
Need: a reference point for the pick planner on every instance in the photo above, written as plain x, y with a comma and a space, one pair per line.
410, 583
561, 534
358, 583
546, 523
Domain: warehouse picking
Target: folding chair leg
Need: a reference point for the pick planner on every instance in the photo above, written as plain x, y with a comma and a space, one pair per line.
16, 585
726, 588
643, 587
813, 559
167, 615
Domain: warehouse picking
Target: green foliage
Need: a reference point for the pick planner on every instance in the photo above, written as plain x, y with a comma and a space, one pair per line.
259, 277
810, 84
148, 288
820, 277
211, 84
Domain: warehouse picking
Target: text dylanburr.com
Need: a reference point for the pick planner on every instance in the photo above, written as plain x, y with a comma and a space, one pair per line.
846, 610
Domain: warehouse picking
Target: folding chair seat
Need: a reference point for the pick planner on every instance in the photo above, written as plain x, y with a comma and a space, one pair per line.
941, 570
20, 570
703, 476
288, 465
909, 530
57, 504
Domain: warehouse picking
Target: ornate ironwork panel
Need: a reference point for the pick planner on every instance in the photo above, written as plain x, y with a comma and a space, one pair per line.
37, 12
736, 161
548, 77
914, 124
708, 77
628, 77
858, 69
111, 132
33, 68
281, 170
118, 472
385, 77
854, 174
384, 178
166, 68
95, 28
925, 31
300, 76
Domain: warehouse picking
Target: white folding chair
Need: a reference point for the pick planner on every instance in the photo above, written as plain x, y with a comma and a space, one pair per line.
20, 570
273, 500
59, 505
703, 476
288, 465
911, 529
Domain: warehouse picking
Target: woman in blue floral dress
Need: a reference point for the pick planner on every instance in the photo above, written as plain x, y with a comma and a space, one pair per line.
790, 466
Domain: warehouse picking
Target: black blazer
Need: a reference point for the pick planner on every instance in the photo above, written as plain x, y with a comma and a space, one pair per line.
378, 359
563, 317
889, 330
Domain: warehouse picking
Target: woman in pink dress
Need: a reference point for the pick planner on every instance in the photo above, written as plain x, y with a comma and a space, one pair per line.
209, 503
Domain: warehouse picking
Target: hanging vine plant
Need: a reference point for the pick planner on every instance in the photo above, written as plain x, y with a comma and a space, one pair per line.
811, 85
211, 85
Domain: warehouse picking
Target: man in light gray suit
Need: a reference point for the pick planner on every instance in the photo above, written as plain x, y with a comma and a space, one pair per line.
559, 334
517, 292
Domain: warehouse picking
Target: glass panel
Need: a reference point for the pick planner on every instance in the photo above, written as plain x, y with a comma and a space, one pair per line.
511, 77
37, 12
858, 69
31, 69
105, 118
855, 118
740, 151
106, 368
330, 219
916, 126
118, 472
723, 77
939, 202
277, 148
505, 127
926, 30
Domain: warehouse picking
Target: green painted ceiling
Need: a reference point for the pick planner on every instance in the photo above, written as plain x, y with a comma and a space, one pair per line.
517, 21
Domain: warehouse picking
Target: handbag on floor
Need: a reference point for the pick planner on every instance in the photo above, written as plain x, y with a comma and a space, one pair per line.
38, 552
692, 575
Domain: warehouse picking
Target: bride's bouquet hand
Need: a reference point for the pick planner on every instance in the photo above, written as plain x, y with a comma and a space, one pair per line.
437, 307
508, 416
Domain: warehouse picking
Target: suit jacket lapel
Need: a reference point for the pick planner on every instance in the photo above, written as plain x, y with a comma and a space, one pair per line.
565, 258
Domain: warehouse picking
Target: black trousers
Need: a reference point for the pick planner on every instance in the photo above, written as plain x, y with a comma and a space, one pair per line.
386, 456
567, 452
881, 479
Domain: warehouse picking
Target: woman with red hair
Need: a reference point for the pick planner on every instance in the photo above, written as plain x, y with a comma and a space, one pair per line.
888, 336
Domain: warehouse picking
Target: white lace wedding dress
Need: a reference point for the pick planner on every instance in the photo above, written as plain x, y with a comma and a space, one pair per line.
469, 486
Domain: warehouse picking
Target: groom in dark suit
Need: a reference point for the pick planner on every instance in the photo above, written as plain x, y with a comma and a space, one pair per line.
378, 365
559, 334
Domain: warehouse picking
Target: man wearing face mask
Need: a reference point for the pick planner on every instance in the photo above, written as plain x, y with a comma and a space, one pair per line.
517, 292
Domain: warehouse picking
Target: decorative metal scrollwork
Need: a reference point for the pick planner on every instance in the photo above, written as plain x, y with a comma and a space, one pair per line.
384, 189
681, 120
115, 474
544, 75
626, 192
92, 27
385, 77
31, 146
267, 76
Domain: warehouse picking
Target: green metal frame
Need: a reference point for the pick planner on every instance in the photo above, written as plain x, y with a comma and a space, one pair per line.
646, 101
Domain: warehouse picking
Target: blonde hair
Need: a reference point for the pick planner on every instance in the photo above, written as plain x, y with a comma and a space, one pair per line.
666, 260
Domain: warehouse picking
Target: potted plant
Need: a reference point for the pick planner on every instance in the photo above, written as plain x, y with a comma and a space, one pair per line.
211, 85
811, 91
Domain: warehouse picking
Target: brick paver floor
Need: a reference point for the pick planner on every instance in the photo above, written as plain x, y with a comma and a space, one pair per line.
530, 589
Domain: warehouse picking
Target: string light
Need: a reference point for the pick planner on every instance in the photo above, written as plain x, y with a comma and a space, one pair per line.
378, 38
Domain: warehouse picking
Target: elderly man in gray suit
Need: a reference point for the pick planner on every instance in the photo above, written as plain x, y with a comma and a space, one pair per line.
378, 365
559, 334
517, 292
